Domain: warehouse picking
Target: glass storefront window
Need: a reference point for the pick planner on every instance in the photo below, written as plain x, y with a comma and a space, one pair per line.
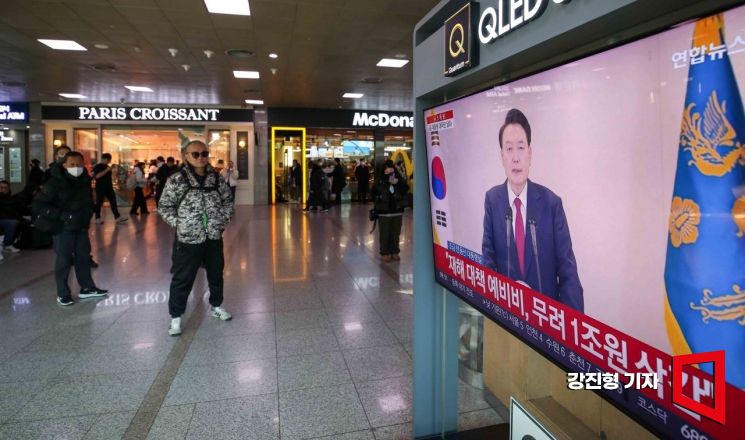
219, 145
478, 405
287, 147
143, 144
398, 148
86, 143
351, 146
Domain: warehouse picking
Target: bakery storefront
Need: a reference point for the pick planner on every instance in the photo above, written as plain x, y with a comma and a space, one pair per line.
142, 133
351, 135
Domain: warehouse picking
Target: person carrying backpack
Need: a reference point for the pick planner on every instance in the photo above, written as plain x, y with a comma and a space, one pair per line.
64, 206
197, 202
389, 194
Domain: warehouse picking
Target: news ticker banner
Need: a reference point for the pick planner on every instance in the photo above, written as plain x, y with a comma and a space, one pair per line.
581, 344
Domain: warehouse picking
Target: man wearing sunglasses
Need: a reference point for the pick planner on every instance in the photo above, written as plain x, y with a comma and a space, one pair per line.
197, 202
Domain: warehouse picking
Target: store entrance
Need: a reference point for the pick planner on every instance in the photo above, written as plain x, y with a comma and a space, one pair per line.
288, 145
129, 145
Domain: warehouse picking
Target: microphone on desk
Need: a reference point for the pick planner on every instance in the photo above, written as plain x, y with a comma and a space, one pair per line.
508, 230
532, 225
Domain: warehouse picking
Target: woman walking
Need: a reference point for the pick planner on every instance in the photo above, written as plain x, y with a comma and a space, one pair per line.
389, 194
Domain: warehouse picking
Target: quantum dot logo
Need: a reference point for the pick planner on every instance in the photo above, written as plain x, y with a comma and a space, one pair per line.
439, 184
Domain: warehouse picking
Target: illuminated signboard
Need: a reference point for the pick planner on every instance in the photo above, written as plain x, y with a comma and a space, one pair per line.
146, 114
12, 112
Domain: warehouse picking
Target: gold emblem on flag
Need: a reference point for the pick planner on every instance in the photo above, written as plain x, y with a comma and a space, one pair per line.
738, 216
685, 215
705, 137
722, 308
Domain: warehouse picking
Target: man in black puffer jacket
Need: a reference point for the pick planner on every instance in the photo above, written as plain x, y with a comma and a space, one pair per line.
65, 202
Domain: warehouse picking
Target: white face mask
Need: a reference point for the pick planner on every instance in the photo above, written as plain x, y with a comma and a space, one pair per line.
75, 171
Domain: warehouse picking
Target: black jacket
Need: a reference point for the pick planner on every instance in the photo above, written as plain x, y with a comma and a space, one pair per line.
36, 178
297, 175
390, 198
317, 179
339, 181
163, 173
66, 200
8, 207
362, 174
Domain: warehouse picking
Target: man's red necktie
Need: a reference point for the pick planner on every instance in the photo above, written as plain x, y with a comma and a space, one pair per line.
520, 236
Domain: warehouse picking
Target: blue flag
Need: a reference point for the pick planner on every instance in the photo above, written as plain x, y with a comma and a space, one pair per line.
705, 264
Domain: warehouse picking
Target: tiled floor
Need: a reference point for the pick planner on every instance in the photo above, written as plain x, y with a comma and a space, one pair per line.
319, 346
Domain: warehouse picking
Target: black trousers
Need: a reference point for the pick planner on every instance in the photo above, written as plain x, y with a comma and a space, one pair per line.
139, 202
109, 194
362, 194
159, 192
337, 197
73, 248
390, 232
186, 259
317, 198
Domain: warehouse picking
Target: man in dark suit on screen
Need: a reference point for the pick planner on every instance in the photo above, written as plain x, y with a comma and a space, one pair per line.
526, 236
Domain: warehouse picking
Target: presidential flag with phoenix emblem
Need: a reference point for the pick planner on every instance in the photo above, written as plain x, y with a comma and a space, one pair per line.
705, 264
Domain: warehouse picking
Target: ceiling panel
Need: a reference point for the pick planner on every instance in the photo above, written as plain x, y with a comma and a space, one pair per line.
325, 47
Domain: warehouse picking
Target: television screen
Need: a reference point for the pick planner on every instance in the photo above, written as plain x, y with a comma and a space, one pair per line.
357, 148
597, 210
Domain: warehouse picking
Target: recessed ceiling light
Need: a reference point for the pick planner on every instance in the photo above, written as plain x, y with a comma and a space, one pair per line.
400, 55
73, 95
353, 95
101, 46
246, 74
232, 7
139, 88
273, 55
390, 62
61, 44
103, 67
240, 53
255, 102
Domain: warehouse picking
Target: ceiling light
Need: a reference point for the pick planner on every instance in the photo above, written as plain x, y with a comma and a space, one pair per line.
255, 102
353, 95
73, 95
400, 55
139, 88
232, 7
62, 44
390, 62
101, 46
273, 55
246, 74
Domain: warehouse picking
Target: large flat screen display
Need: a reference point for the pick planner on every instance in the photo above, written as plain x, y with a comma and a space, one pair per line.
597, 210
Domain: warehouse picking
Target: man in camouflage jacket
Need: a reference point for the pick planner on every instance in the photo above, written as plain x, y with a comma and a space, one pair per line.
197, 202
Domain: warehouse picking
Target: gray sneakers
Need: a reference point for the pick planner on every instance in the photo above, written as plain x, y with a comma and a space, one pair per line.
220, 313
175, 328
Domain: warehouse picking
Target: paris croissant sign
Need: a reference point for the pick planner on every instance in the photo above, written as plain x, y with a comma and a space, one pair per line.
145, 114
